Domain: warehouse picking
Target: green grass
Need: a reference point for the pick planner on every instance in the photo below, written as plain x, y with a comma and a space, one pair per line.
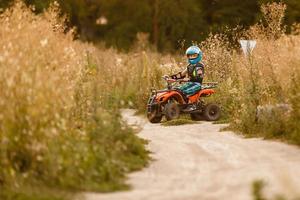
178, 122
258, 187
257, 190
222, 121
34, 193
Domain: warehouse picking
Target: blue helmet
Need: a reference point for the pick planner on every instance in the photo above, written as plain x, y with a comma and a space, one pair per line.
194, 50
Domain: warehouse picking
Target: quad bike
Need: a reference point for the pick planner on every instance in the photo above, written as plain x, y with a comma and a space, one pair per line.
171, 102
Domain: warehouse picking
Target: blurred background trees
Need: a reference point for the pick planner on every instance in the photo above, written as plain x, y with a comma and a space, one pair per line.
168, 22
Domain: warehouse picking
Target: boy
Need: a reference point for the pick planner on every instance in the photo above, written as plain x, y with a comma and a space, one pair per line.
194, 72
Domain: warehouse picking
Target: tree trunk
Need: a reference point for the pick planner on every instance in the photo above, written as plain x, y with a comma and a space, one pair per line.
155, 23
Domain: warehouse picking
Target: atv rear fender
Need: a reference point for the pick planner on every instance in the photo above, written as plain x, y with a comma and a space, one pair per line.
201, 93
206, 92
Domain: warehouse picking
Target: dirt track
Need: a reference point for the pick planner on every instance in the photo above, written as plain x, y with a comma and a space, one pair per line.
197, 162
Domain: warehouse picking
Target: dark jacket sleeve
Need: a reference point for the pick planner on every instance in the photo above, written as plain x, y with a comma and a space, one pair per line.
200, 67
177, 76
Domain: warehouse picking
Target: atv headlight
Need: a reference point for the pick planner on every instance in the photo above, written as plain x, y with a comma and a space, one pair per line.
153, 92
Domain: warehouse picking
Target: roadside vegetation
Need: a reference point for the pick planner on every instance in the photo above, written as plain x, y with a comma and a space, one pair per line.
258, 192
260, 93
178, 122
59, 109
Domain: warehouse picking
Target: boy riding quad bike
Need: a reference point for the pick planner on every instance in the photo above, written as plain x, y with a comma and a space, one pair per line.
186, 98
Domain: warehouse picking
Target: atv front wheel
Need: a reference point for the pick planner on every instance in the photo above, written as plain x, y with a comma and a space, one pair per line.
172, 111
154, 117
212, 112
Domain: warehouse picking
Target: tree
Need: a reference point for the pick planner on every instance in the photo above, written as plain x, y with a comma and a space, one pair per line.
178, 20
292, 12
222, 13
167, 21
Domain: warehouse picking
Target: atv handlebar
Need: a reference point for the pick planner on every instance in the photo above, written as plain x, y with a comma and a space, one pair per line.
205, 85
176, 81
170, 80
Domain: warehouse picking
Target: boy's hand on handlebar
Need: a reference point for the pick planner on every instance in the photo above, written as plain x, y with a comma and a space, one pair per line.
166, 77
171, 80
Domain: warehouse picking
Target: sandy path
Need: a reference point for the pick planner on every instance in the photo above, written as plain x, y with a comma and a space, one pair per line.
197, 162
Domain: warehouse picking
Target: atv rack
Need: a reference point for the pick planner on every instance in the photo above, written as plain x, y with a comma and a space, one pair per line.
209, 85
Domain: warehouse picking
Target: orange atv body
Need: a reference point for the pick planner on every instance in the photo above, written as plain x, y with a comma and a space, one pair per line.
165, 96
172, 102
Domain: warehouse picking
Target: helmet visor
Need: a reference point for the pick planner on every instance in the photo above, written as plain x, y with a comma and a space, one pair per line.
192, 56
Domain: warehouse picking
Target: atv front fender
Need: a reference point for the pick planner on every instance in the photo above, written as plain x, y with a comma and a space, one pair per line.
164, 97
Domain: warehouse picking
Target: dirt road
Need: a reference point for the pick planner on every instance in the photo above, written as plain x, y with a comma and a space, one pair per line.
197, 162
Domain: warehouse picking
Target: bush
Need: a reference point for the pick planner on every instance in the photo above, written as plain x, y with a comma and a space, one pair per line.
262, 79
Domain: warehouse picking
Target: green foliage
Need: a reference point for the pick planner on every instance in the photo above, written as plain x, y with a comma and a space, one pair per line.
179, 20
168, 22
257, 190
229, 13
258, 187
33, 194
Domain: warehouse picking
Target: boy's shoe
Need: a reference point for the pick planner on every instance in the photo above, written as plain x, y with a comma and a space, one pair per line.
190, 108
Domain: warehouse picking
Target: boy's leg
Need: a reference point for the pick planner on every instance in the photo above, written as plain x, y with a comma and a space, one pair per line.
185, 86
192, 89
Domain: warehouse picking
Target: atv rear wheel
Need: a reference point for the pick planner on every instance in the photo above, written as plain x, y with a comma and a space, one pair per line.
172, 111
197, 116
212, 112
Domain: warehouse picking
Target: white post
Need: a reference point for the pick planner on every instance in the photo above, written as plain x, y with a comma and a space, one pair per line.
247, 46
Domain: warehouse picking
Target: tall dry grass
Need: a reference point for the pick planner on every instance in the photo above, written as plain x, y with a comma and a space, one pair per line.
60, 123
263, 81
